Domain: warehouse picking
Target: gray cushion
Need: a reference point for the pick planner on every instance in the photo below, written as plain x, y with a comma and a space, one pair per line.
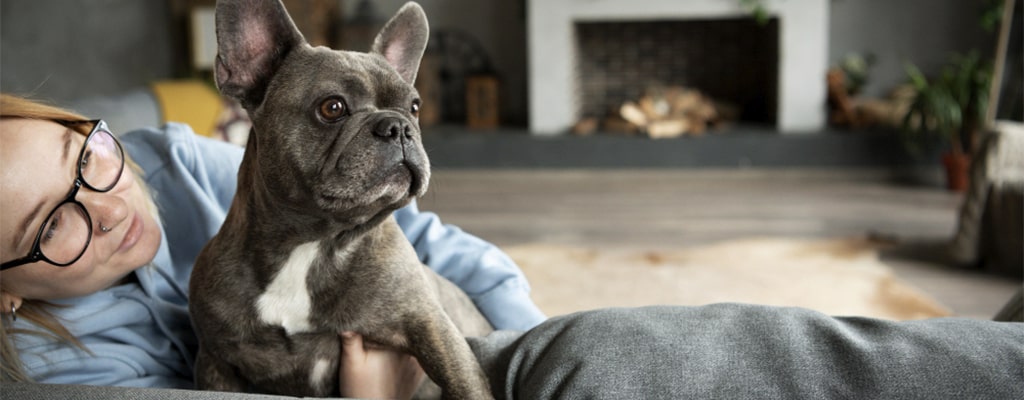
38, 391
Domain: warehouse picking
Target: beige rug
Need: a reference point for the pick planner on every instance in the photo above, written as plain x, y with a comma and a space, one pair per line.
837, 277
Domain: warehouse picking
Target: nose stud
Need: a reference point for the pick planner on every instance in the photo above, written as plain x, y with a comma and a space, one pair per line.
105, 229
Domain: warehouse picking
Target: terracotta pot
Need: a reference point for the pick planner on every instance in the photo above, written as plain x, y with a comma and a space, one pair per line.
958, 167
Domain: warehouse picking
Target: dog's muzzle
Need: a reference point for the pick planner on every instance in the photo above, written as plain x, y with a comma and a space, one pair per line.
400, 131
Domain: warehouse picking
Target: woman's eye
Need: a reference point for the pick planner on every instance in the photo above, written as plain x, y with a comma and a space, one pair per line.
85, 160
51, 228
332, 109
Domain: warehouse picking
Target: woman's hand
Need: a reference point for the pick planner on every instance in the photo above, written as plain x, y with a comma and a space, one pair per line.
372, 372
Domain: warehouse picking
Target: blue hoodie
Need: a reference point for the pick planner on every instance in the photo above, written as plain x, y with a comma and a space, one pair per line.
139, 334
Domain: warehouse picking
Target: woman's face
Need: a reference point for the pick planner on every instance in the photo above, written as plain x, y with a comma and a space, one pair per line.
38, 162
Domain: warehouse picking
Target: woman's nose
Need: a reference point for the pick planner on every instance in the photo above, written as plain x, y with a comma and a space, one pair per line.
107, 210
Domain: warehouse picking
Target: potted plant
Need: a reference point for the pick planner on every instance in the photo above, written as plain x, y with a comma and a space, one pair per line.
948, 111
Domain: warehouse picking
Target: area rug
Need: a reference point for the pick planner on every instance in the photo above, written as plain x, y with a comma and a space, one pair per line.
837, 277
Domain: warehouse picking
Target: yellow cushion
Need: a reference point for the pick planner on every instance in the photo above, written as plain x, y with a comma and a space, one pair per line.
189, 101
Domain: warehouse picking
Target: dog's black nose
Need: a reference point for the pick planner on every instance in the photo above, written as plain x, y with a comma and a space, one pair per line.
392, 128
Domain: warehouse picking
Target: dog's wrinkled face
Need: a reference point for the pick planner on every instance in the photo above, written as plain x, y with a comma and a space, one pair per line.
338, 128
345, 126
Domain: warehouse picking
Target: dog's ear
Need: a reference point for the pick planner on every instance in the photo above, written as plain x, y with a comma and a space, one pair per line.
403, 40
253, 37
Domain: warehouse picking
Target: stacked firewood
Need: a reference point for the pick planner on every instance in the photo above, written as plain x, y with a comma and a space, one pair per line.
665, 112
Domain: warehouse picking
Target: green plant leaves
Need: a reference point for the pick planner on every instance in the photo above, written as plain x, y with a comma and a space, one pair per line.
950, 107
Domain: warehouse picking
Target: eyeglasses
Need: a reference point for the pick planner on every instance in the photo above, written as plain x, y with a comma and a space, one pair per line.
67, 230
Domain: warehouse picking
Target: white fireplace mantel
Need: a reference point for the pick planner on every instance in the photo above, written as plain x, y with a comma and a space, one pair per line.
803, 53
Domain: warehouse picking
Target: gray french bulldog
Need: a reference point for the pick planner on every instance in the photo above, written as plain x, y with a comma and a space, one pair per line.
310, 247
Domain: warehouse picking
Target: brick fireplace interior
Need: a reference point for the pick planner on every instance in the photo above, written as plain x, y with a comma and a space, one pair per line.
730, 60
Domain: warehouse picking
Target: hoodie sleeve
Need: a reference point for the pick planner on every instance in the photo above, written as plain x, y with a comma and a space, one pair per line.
494, 282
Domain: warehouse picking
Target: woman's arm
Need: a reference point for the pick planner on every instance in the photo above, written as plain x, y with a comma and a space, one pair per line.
494, 282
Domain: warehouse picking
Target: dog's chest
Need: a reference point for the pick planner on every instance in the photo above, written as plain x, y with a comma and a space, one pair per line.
286, 302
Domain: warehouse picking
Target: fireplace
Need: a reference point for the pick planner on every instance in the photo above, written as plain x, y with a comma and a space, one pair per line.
589, 56
733, 61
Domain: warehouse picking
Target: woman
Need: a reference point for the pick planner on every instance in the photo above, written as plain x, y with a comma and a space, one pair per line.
97, 250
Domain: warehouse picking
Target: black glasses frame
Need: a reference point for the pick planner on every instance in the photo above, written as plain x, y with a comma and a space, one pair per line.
36, 254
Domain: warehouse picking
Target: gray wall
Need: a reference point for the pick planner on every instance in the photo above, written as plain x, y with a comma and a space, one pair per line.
61, 50
65, 50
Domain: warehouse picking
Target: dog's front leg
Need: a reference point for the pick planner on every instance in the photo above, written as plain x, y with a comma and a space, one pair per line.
214, 374
446, 357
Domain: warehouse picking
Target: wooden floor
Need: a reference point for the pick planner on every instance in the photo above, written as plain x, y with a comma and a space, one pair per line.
675, 208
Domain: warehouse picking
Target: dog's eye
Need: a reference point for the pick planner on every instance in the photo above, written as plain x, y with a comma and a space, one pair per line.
332, 109
415, 109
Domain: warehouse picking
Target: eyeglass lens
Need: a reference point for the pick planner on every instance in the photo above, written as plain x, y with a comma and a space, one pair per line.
66, 232
64, 228
101, 161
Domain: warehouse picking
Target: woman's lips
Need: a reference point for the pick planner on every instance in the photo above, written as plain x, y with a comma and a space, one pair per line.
132, 235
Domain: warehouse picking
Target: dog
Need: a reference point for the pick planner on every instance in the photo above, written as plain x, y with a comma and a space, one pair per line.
309, 247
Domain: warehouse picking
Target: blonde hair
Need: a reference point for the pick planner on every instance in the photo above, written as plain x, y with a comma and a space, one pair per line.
36, 311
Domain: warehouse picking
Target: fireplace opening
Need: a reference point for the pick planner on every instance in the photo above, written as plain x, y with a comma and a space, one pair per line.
733, 62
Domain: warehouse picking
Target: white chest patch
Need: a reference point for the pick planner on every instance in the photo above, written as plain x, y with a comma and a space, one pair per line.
286, 301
